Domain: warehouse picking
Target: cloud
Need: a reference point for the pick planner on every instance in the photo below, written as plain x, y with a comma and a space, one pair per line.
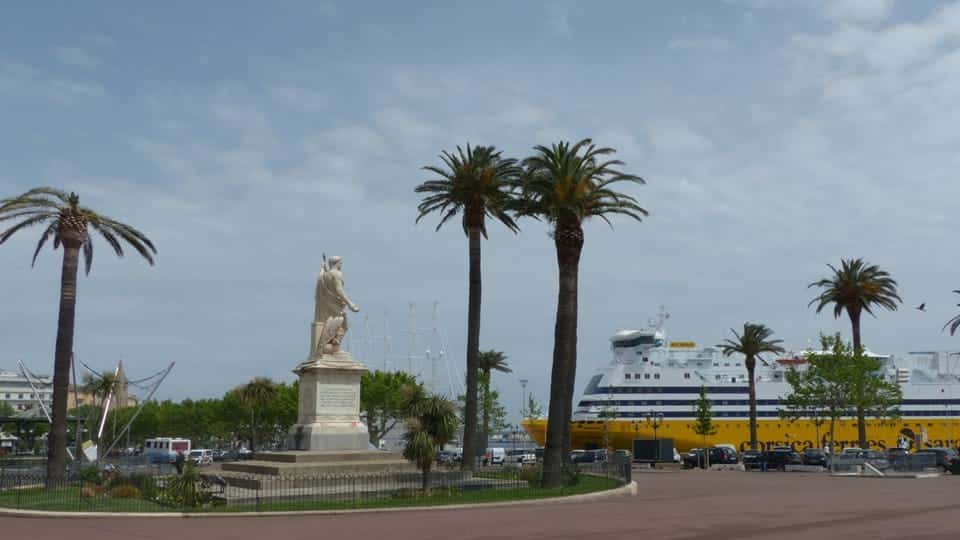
558, 17
300, 97
704, 44
76, 57
857, 11
26, 82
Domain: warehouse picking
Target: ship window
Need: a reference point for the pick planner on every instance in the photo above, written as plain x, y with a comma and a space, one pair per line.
656, 375
646, 375
626, 376
716, 364
646, 358
719, 377
733, 379
726, 364
686, 375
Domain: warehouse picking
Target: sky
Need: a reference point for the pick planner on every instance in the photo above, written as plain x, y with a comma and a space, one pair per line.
247, 139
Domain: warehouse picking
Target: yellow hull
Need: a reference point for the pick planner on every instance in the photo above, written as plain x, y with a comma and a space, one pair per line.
620, 434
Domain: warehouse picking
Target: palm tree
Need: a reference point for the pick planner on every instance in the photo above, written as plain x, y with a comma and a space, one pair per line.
953, 323
70, 225
257, 394
490, 361
856, 287
565, 185
754, 341
433, 423
100, 387
478, 183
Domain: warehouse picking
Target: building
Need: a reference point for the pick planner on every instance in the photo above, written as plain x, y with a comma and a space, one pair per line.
15, 390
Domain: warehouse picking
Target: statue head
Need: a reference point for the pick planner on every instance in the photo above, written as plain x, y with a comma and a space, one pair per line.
336, 262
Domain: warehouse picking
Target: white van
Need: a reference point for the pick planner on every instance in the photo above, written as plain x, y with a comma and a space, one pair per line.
495, 456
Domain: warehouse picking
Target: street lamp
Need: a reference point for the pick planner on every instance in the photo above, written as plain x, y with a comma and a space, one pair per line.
523, 396
655, 419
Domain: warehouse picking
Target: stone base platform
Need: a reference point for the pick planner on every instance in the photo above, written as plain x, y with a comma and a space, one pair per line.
319, 463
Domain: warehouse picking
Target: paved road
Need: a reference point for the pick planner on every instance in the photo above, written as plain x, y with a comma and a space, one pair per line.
678, 505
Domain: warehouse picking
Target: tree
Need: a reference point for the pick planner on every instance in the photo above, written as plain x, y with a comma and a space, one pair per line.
433, 423
565, 185
70, 225
754, 341
533, 410
953, 323
838, 382
703, 411
385, 400
477, 183
100, 387
491, 361
255, 395
856, 287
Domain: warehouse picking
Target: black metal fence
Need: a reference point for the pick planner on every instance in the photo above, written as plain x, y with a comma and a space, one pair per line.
204, 489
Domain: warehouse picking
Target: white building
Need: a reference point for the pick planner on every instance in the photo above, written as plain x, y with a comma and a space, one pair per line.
15, 390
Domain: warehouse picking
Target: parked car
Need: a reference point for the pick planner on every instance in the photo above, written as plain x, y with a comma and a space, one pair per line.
521, 456
495, 456
720, 455
751, 459
779, 458
444, 458
946, 458
814, 456
897, 454
592, 456
201, 456
623, 455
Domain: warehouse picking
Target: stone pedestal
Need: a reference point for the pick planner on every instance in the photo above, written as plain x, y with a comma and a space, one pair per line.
329, 405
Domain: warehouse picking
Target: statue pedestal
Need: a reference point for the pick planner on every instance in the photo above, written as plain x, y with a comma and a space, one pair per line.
329, 405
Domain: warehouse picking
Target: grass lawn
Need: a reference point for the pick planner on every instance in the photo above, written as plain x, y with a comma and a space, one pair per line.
69, 500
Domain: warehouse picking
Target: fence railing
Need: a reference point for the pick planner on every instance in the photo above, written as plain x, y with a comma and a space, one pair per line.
903, 464
205, 489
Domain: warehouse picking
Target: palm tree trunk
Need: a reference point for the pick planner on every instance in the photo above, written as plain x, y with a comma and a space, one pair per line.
473, 354
57, 438
751, 367
569, 243
858, 350
485, 424
253, 430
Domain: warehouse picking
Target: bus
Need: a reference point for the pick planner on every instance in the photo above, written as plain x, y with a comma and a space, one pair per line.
164, 449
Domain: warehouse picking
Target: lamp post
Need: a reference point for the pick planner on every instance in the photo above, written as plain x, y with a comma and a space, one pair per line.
655, 419
523, 396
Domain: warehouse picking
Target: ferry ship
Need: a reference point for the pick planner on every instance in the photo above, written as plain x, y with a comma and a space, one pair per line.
649, 388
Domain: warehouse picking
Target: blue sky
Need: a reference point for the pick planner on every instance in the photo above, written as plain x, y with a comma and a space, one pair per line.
246, 139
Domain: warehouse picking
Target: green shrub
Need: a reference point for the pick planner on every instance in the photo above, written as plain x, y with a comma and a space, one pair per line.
125, 491
90, 474
530, 475
185, 490
144, 483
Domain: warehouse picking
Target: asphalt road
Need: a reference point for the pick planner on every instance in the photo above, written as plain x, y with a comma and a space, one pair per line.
689, 505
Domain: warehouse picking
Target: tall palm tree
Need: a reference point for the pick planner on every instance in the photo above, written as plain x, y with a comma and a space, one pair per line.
477, 183
70, 225
754, 341
566, 184
490, 361
856, 287
257, 394
953, 323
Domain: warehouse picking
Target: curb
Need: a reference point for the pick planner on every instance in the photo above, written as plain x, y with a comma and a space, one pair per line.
628, 489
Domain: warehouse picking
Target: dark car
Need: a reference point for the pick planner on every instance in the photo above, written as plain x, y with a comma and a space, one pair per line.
779, 458
897, 454
946, 458
751, 459
814, 456
718, 455
591, 456
877, 459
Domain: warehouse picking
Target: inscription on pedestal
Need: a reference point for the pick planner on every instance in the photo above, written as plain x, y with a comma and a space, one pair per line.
337, 397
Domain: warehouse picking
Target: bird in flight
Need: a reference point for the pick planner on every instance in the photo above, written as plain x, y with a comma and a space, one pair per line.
922, 307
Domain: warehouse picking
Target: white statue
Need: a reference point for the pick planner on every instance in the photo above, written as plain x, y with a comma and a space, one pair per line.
330, 316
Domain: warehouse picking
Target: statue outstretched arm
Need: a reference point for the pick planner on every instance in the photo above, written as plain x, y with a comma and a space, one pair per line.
342, 294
